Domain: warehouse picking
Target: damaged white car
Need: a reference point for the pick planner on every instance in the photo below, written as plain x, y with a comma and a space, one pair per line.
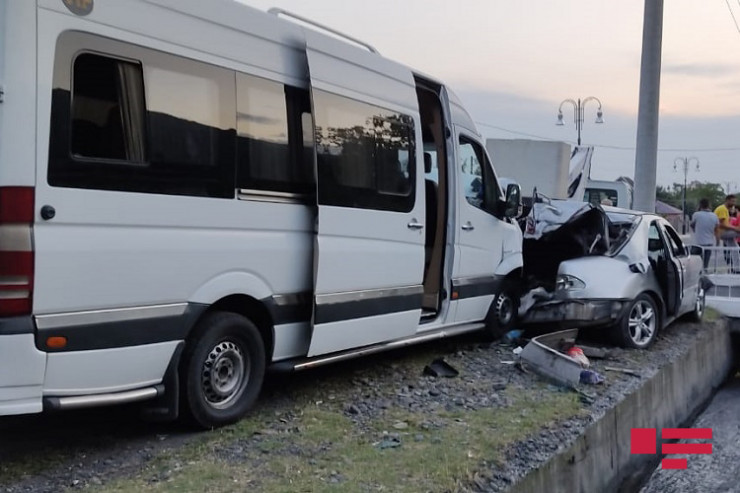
593, 266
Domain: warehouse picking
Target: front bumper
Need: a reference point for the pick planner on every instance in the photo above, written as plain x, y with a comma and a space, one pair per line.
577, 313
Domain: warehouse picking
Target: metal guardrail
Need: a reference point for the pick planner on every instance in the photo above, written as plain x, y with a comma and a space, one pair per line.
722, 260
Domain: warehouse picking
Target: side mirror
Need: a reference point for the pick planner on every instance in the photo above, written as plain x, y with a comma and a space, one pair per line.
513, 204
695, 250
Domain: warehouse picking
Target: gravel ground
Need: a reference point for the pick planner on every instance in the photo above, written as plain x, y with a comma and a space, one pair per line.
91, 449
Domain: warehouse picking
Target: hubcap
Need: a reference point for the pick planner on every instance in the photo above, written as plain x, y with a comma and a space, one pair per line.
224, 375
642, 323
504, 309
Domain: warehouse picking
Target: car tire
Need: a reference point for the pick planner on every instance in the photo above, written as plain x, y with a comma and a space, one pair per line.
222, 370
640, 324
503, 315
699, 306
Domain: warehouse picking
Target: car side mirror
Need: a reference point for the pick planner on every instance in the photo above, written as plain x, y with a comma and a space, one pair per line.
695, 250
513, 204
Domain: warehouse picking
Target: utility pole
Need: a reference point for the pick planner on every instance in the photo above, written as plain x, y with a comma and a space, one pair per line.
646, 156
683, 164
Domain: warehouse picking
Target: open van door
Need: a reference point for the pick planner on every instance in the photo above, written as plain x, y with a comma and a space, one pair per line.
369, 251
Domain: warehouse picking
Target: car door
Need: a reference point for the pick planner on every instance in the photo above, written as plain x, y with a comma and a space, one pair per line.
480, 233
668, 268
690, 268
369, 250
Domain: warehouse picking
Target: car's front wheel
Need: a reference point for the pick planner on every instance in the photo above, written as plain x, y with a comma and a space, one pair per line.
639, 327
503, 313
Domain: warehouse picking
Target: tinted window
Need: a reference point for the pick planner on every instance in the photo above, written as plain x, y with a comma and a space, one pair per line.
273, 125
480, 186
165, 127
108, 109
365, 155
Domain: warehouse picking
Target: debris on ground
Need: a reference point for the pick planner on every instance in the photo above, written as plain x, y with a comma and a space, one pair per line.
597, 352
577, 354
623, 370
512, 337
590, 377
440, 368
543, 355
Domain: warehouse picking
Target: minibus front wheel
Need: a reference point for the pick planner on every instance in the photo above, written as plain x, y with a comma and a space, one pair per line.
222, 370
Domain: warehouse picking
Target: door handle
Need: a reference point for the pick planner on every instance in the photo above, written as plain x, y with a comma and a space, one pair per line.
414, 224
468, 226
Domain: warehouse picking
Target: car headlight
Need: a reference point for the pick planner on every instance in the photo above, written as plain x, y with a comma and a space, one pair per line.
566, 282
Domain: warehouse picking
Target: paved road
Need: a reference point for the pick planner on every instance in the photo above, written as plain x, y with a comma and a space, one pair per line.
719, 472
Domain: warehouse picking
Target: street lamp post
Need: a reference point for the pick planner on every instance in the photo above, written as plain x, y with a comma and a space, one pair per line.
579, 108
684, 164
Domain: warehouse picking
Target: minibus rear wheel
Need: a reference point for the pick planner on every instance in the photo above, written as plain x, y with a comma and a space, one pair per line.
222, 370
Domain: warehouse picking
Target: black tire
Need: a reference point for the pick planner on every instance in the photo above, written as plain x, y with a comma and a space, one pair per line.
700, 306
233, 344
503, 315
640, 324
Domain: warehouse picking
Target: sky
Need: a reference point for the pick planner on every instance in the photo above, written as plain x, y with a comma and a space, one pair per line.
512, 62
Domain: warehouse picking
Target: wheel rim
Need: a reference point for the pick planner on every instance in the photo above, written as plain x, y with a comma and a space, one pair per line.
504, 309
225, 374
642, 323
700, 303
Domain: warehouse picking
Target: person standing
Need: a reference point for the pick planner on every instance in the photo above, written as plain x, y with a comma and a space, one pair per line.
729, 233
705, 225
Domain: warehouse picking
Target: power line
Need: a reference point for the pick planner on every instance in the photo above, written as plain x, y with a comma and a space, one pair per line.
611, 147
734, 19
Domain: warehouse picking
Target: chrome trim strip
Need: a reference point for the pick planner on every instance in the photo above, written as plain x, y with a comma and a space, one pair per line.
278, 197
370, 294
469, 281
399, 343
291, 299
80, 402
77, 319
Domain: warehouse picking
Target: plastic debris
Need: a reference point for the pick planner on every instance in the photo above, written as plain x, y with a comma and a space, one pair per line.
440, 368
389, 443
624, 370
577, 354
518, 351
596, 352
512, 336
590, 377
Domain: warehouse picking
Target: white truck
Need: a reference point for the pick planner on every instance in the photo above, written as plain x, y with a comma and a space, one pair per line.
556, 171
192, 192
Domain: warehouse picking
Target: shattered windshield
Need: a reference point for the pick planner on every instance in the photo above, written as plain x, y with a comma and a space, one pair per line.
621, 227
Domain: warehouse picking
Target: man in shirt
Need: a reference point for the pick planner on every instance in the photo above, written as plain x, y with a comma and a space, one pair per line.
728, 233
705, 224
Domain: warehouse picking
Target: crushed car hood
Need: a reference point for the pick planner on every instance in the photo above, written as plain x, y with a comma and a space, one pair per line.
557, 231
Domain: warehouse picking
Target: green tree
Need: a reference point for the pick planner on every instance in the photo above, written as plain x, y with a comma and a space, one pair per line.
695, 191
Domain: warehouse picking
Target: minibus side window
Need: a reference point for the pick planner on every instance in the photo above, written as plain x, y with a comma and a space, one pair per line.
108, 109
366, 156
479, 182
271, 149
161, 124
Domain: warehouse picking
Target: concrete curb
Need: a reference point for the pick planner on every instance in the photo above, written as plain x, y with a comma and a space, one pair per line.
599, 460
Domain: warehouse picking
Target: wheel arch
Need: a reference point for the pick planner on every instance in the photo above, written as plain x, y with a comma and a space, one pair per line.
253, 309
